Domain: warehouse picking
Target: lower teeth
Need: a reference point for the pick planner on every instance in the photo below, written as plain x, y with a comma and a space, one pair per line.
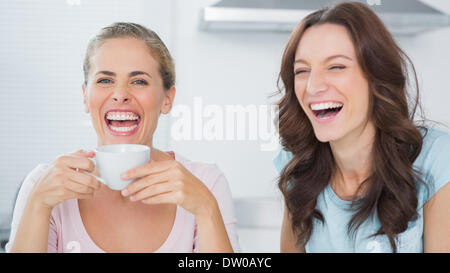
123, 129
329, 113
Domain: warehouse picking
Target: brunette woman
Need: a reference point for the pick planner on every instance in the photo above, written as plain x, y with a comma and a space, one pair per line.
356, 172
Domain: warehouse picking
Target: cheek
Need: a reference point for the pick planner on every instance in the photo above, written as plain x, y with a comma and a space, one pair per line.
95, 94
95, 98
364, 108
151, 103
359, 98
148, 100
300, 92
353, 86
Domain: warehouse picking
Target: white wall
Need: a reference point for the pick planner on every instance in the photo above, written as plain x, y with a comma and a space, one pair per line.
431, 57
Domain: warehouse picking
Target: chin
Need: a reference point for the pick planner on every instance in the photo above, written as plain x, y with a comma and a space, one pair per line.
326, 135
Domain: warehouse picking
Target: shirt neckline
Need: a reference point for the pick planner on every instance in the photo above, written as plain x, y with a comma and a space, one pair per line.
166, 245
336, 199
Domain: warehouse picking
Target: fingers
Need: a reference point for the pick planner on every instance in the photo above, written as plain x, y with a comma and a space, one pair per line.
145, 182
154, 190
75, 195
148, 168
165, 198
78, 188
84, 153
84, 179
75, 161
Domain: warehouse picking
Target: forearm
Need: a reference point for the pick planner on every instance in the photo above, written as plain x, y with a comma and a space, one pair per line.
32, 233
212, 235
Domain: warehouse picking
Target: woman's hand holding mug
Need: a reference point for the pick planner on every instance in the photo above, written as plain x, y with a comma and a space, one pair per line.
169, 182
63, 181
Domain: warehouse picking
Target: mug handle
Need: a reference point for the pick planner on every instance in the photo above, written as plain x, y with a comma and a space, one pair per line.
96, 177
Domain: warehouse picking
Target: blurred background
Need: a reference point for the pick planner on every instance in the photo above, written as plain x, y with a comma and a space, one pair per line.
226, 53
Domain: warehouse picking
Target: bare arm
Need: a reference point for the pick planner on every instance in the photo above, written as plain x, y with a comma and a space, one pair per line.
60, 183
437, 221
212, 235
287, 242
162, 182
32, 233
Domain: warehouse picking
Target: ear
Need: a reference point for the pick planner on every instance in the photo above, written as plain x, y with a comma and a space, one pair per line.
169, 96
86, 105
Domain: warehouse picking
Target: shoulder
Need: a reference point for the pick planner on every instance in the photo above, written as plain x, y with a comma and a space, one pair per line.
27, 184
32, 177
37, 171
433, 162
27, 187
434, 139
435, 146
208, 173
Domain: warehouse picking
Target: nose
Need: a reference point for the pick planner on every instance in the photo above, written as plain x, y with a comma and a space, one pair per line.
316, 83
121, 95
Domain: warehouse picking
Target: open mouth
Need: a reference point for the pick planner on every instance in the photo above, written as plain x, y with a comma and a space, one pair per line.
327, 110
122, 122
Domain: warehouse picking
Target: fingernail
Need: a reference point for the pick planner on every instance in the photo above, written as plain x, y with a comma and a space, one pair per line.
124, 176
132, 198
125, 192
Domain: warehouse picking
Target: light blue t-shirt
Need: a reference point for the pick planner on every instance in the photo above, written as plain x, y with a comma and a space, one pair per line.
332, 235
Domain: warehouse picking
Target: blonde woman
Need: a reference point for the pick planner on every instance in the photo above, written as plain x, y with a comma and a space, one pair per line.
176, 205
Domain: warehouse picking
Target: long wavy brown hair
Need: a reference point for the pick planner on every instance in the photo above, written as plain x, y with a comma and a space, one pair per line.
391, 186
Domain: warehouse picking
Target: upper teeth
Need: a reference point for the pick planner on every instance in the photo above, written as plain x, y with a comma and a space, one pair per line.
327, 105
122, 116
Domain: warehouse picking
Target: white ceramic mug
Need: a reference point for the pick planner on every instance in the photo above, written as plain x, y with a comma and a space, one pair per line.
115, 159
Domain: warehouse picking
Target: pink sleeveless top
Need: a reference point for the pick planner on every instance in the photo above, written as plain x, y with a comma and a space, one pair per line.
68, 234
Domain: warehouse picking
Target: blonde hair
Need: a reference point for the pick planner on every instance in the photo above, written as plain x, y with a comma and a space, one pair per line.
122, 30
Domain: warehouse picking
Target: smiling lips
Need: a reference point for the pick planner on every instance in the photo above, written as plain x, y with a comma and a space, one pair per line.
326, 112
122, 122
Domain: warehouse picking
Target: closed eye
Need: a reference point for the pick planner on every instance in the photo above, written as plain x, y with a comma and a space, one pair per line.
300, 71
339, 67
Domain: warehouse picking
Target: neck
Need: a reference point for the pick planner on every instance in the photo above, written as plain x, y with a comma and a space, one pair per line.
353, 157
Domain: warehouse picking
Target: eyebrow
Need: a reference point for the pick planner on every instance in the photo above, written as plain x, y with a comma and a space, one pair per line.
327, 59
109, 73
135, 73
131, 74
